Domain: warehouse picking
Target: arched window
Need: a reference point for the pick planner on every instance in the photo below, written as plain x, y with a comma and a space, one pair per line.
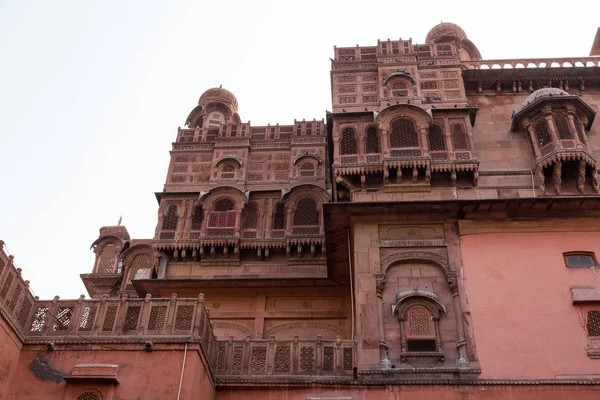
399, 89
372, 141
140, 268
306, 216
279, 217
348, 144
251, 216
593, 323
107, 260
542, 134
223, 218
403, 134
459, 137
420, 330
228, 172
562, 127
89, 396
171, 218
197, 218
437, 139
307, 169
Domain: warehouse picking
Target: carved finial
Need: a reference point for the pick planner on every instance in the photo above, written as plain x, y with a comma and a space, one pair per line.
221, 86
120, 220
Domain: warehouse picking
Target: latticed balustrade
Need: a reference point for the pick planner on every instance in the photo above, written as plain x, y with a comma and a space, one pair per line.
285, 357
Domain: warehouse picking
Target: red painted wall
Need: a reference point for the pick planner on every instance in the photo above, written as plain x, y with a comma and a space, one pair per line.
10, 346
141, 375
420, 392
518, 290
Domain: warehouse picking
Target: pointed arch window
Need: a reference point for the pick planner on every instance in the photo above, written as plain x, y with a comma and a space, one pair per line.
107, 260
562, 127
140, 269
171, 218
251, 216
348, 144
459, 137
542, 133
279, 221
372, 141
197, 218
403, 134
306, 216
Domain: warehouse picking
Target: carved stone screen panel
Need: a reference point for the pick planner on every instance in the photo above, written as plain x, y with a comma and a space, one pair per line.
403, 134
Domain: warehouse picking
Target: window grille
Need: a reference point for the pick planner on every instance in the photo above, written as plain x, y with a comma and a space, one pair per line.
372, 141
223, 214
131, 318
279, 217
88, 315
562, 127
228, 172
593, 323
437, 139
404, 134
306, 216
348, 144
197, 218
251, 216
63, 319
307, 169
7, 284
171, 219
39, 319
420, 329
107, 259
459, 137
140, 267
89, 396
542, 134
576, 260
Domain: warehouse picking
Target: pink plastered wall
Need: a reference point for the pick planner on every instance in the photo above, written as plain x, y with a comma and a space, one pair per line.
518, 290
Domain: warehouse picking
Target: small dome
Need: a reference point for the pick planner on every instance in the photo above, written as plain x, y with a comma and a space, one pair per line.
445, 29
218, 95
543, 93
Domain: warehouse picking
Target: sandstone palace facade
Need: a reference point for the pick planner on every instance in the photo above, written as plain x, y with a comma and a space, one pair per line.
435, 236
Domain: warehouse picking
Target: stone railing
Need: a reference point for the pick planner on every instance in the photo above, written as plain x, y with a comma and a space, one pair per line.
534, 63
16, 300
99, 320
285, 357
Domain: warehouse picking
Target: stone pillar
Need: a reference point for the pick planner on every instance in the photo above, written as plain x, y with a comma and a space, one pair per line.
424, 142
557, 176
536, 148
573, 128
461, 344
383, 347
385, 142
551, 127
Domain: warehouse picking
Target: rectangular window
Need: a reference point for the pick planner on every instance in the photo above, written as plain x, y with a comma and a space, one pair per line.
580, 259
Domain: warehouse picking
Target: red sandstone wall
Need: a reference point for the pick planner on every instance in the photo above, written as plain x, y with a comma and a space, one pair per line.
519, 293
9, 354
141, 375
421, 392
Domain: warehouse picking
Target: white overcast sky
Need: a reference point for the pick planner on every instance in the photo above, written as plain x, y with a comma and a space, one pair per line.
92, 93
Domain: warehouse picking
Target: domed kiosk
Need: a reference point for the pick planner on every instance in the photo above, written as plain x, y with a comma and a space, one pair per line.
215, 106
446, 32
